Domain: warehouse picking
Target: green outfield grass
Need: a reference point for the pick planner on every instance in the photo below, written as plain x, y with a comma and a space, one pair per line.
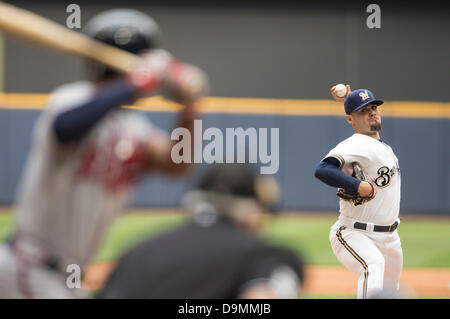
425, 241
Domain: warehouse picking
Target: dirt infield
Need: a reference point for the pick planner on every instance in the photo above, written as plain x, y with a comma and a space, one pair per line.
331, 280
413, 282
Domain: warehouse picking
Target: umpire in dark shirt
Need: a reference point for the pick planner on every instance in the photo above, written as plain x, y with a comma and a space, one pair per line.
218, 253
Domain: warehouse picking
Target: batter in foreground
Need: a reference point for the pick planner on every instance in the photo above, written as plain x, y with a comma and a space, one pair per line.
367, 173
88, 154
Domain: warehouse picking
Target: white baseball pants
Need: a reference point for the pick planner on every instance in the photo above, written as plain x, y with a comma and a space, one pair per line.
375, 257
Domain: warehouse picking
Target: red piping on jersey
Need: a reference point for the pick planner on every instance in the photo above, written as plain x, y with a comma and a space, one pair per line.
23, 273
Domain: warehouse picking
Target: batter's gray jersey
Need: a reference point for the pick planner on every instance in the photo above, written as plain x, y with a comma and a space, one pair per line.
71, 192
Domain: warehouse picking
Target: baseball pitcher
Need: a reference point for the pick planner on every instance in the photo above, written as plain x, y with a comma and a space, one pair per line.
367, 174
87, 155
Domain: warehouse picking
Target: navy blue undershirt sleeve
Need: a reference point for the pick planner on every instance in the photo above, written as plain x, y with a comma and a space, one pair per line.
328, 172
74, 123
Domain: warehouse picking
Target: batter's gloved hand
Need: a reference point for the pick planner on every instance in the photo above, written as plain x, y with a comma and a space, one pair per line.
357, 199
150, 70
184, 83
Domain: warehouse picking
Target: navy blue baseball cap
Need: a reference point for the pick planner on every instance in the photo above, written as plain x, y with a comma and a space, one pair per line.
357, 99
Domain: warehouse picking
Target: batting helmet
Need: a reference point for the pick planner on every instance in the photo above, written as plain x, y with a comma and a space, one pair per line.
126, 29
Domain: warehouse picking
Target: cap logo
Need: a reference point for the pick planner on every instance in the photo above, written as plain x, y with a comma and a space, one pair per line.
364, 95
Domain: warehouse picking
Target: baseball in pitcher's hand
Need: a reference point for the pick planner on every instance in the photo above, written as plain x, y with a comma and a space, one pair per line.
337, 98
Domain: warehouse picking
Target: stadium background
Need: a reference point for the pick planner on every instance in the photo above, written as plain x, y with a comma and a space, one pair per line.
284, 58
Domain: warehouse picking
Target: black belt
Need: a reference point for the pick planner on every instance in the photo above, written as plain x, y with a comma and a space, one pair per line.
384, 229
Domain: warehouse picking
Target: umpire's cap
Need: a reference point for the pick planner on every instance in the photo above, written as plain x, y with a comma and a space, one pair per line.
127, 29
241, 180
357, 99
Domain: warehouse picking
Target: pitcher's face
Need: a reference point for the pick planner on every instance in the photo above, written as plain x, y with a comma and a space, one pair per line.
366, 120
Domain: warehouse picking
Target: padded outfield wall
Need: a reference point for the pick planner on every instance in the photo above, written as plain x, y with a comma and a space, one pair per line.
418, 132
284, 51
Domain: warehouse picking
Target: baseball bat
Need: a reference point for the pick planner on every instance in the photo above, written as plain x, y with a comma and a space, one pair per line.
29, 26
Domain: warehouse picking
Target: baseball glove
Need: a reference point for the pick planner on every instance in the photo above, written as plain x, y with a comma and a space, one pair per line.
357, 199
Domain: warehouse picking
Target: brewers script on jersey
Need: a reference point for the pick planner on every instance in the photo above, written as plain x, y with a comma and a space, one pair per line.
380, 163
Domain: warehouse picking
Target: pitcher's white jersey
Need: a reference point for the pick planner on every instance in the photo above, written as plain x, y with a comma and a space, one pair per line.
71, 192
378, 162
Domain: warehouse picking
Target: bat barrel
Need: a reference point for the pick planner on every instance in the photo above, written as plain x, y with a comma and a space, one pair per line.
39, 30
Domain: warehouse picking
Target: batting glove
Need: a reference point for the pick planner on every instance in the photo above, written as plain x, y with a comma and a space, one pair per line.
150, 70
184, 83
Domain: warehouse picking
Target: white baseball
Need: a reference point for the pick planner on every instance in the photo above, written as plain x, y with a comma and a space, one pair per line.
341, 90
